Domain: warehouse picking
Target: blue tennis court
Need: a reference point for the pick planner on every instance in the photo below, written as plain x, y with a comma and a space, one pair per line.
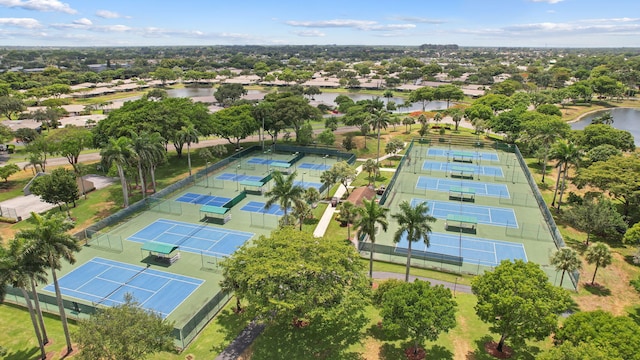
445, 185
472, 250
240, 177
193, 238
446, 166
203, 199
106, 282
307, 184
311, 166
474, 155
258, 207
262, 161
484, 214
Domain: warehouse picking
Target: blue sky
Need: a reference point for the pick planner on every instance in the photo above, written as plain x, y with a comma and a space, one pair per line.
535, 23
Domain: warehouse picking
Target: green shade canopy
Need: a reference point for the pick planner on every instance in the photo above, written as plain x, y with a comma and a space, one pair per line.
214, 209
159, 248
462, 219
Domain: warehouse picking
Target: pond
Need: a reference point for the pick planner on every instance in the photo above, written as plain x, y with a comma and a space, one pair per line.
623, 119
326, 97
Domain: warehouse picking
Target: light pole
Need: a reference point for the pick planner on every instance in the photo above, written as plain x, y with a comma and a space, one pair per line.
513, 173
325, 160
303, 179
237, 180
207, 172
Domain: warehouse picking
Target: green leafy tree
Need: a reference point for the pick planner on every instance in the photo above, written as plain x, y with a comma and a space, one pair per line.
597, 216
25, 135
448, 93
53, 243
600, 255
544, 130
565, 259
69, 142
164, 75
583, 351
370, 216
413, 223
6, 134
234, 123
518, 302
343, 173
56, 188
118, 152
38, 150
10, 106
601, 153
125, 331
347, 143
284, 192
601, 134
294, 111
424, 94
616, 176
419, 311
618, 335
290, 276
632, 235
8, 170
327, 137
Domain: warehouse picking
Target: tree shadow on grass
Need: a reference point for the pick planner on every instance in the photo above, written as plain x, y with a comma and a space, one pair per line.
520, 353
597, 289
231, 323
319, 340
23, 354
635, 315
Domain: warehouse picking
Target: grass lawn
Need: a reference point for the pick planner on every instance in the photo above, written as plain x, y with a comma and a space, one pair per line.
21, 343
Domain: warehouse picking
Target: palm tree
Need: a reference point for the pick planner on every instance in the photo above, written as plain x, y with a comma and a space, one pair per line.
370, 167
379, 120
301, 211
53, 243
371, 214
328, 178
414, 221
347, 216
118, 151
598, 254
565, 259
16, 271
456, 115
188, 135
567, 154
147, 152
284, 192
156, 155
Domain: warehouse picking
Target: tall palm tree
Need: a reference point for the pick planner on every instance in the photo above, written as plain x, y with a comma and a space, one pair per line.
188, 135
565, 259
118, 151
567, 154
17, 272
328, 178
414, 221
301, 211
380, 119
456, 115
284, 192
371, 167
371, 214
598, 254
147, 152
53, 243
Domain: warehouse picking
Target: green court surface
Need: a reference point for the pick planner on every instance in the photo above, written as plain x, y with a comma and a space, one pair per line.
528, 228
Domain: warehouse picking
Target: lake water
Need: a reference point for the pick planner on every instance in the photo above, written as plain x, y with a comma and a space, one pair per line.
325, 97
623, 119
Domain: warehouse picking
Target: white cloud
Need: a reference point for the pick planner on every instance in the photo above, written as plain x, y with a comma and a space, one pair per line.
39, 5
83, 22
27, 23
106, 14
366, 25
309, 33
547, 1
414, 19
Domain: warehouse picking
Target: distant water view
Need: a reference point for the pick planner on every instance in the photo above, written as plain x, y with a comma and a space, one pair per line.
326, 97
623, 119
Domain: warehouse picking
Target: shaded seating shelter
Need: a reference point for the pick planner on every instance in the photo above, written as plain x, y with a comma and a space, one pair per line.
161, 252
